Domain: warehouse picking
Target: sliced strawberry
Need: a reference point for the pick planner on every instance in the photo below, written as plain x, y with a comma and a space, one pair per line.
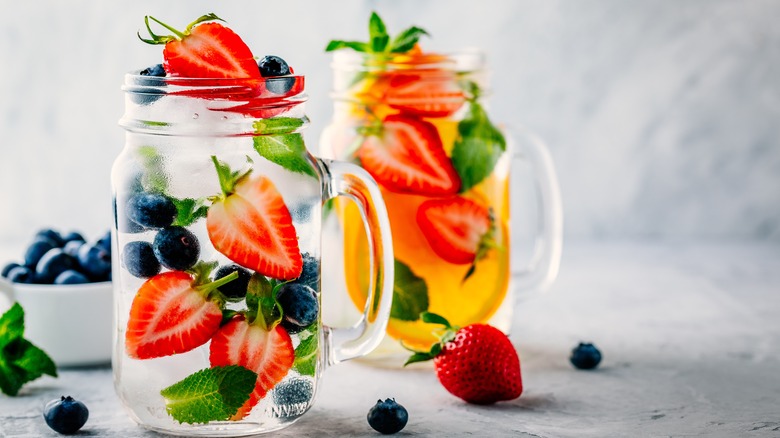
269, 353
426, 93
251, 225
407, 156
204, 50
454, 227
172, 313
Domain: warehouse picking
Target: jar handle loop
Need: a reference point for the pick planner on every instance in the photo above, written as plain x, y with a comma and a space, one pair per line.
351, 181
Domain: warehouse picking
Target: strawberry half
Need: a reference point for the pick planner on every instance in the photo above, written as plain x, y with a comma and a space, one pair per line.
269, 353
456, 228
476, 363
174, 312
251, 225
426, 93
406, 156
204, 50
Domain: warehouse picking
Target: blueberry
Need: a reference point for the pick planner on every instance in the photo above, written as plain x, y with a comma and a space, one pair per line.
139, 259
299, 306
387, 417
294, 391
7, 268
36, 250
72, 248
52, 235
123, 223
94, 261
21, 274
279, 85
155, 70
585, 356
52, 264
236, 289
73, 236
176, 248
310, 274
65, 415
71, 277
271, 65
151, 210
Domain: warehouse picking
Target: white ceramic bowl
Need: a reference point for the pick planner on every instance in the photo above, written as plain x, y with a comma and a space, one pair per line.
71, 323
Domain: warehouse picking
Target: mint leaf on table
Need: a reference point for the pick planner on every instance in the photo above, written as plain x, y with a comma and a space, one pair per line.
410, 294
211, 394
286, 150
306, 354
477, 148
20, 360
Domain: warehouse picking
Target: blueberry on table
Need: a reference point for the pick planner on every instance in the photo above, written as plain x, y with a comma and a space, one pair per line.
94, 261
139, 259
585, 356
65, 415
36, 250
52, 235
294, 391
21, 274
7, 268
176, 248
71, 276
151, 210
387, 417
299, 306
236, 289
52, 264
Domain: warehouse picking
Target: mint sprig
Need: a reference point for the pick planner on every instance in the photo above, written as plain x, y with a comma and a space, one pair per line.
211, 394
306, 353
20, 360
410, 294
189, 210
379, 41
478, 147
286, 150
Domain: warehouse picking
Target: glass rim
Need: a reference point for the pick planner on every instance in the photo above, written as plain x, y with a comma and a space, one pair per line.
462, 61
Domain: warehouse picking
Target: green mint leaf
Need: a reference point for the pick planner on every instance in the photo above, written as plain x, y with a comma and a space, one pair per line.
20, 360
410, 294
354, 45
477, 148
228, 178
211, 394
433, 318
261, 302
377, 33
189, 210
278, 125
153, 179
405, 41
306, 354
286, 150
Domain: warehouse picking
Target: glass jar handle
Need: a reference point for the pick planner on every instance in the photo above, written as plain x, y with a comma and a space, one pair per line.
351, 181
545, 261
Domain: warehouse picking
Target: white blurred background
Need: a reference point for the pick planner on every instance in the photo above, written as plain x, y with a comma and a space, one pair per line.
663, 117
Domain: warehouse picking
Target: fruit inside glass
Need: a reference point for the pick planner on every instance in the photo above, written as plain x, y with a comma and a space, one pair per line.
418, 123
217, 279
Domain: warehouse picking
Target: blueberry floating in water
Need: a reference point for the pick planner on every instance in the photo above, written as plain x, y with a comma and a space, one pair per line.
236, 289
139, 259
151, 210
176, 248
299, 306
294, 391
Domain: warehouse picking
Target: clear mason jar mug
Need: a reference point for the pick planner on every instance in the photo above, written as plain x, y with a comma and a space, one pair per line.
218, 232
418, 123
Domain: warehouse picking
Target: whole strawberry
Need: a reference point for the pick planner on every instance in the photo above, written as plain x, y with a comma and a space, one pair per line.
476, 363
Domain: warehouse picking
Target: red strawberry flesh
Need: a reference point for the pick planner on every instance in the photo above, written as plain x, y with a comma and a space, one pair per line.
270, 354
454, 227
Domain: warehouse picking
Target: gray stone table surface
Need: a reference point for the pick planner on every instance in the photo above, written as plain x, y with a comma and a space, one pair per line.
690, 335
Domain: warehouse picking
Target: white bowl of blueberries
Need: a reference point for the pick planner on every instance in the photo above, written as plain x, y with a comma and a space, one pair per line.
63, 283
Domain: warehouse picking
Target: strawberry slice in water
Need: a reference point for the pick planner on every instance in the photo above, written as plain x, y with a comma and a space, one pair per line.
251, 225
456, 228
174, 312
204, 50
267, 352
407, 156
425, 93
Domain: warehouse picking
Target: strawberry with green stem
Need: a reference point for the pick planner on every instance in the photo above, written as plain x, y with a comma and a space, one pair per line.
476, 363
255, 340
250, 224
204, 50
175, 312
